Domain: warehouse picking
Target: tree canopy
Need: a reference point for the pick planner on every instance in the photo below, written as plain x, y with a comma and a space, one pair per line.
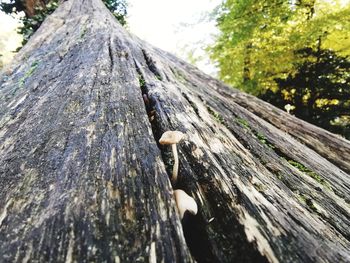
264, 46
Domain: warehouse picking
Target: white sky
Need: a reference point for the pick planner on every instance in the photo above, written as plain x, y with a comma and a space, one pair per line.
9, 39
160, 22
175, 26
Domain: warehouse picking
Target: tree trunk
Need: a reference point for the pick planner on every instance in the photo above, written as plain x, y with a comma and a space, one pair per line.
84, 179
30, 6
247, 63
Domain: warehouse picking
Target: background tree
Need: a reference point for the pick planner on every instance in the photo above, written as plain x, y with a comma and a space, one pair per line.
35, 11
263, 41
319, 91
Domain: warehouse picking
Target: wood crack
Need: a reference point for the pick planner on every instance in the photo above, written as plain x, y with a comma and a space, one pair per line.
110, 53
151, 65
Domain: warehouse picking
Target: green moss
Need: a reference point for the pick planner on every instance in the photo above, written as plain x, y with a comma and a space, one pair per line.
243, 122
30, 72
279, 176
311, 205
307, 171
259, 187
308, 201
83, 32
142, 81
262, 138
216, 115
301, 198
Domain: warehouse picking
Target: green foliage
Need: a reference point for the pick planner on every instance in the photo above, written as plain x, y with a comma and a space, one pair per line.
31, 22
319, 90
273, 47
118, 9
12, 6
249, 30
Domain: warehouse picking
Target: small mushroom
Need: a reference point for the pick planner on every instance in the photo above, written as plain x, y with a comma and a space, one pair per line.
184, 203
289, 107
172, 138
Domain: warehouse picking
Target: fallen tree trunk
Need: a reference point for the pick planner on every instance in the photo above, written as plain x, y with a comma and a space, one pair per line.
83, 177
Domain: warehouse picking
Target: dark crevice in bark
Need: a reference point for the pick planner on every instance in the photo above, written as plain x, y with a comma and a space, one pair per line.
148, 101
151, 65
220, 238
153, 112
110, 53
193, 105
194, 227
196, 231
201, 238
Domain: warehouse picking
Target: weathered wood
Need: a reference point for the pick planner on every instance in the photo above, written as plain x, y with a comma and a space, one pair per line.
84, 179
327, 144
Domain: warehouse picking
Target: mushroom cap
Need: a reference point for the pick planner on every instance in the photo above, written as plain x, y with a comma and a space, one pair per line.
171, 137
184, 203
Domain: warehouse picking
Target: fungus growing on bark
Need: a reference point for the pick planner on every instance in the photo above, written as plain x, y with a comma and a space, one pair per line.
184, 203
172, 138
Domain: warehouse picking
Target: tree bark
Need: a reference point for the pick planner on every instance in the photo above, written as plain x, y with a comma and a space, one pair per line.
84, 179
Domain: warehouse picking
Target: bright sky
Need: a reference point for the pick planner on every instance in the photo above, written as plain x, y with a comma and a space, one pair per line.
9, 40
163, 22
175, 26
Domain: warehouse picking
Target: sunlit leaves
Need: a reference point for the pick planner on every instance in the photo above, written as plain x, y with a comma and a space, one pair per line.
260, 42
275, 30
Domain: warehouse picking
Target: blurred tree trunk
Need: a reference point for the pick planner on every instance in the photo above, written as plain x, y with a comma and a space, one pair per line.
247, 63
30, 6
83, 178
